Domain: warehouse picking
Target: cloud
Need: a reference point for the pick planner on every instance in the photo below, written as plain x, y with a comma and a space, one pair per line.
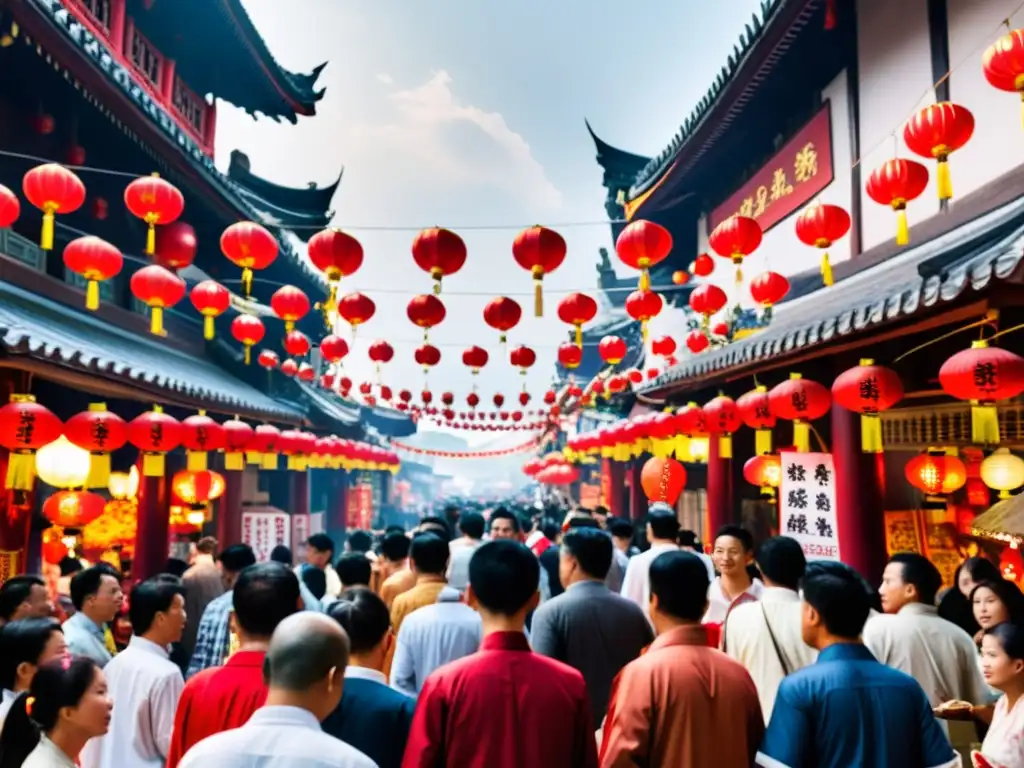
385, 78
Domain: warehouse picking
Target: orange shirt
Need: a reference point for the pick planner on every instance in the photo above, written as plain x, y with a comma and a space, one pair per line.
396, 584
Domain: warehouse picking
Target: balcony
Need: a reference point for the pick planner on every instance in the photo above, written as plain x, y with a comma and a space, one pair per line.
946, 425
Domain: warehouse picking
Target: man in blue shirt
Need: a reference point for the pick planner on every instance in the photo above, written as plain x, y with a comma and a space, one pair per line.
848, 709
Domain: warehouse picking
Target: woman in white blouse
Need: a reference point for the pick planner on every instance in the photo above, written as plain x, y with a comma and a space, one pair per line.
24, 645
1002, 661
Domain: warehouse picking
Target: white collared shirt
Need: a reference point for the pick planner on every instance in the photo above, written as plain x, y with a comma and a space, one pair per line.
47, 755
636, 585
718, 603
276, 737
365, 673
84, 637
6, 700
145, 686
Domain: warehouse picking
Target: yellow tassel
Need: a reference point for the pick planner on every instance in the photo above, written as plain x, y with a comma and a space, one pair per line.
826, 270
984, 424
437, 287
92, 295
298, 463
269, 461
739, 276
253, 457
802, 436
246, 282
151, 240
643, 330
870, 433
209, 329
902, 227
248, 354
156, 321
725, 447
645, 280
538, 298
21, 471
46, 238
196, 461
944, 180
762, 442
99, 471
153, 464
234, 461
682, 447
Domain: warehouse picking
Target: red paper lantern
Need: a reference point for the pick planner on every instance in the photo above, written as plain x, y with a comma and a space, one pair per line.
447, 398
697, 341
617, 383
238, 437
663, 346
249, 246
706, 300
722, 418
262, 449
641, 245
663, 480
268, 359
290, 304
100, 208
154, 433
703, 265
936, 474
427, 355
52, 189
522, 357
199, 435
769, 288
819, 226
642, 306
356, 309
289, 367
212, 300
502, 314
155, 201
540, 250
426, 397
336, 254
100, 432
305, 373
381, 352
801, 401
524, 398
248, 330
755, 410
721, 328
569, 355
736, 238
333, 348
869, 390
95, 260
983, 375
76, 155
499, 400
1003, 63
937, 131
472, 399
54, 550
680, 277
73, 509
895, 183
176, 245
764, 471
575, 310
426, 311
475, 358
44, 124
296, 343
25, 427
550, 397
440, 252
10, 207
158, 289
612, 349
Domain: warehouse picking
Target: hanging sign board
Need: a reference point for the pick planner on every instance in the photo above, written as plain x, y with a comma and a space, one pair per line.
265, 530
807, 503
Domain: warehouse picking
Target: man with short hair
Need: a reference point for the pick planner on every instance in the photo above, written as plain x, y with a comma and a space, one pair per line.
354, 570
503, 707
225, 697
203, 584
392, 558
622, 536
24, 597
472, 525
681, 704
617, 570
319, 554
305, 666
589, 627
765, 636
143, 681
733, 552
825, 712
505, 525
213, 639
372, 717
97, 598
662, 527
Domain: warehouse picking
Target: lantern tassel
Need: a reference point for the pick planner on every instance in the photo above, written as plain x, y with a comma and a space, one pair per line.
99, 470
826, 270
269, 461
739, 276
984, 424
945, 181
248, 354
870, 433
437, 287
725, 447
196, 461
234, 461
682, 447
153, 464
209, 329
643, 330
538, 298
579, 335
46, 237
645, 280
246, 282
156, 321
151, 240
802, 436
21, 470
902, 227
762, 442
92, 295
253, 457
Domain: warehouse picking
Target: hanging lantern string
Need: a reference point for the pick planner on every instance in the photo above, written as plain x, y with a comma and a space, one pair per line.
990, 318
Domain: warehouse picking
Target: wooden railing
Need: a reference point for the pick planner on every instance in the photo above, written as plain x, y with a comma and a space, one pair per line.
946, 424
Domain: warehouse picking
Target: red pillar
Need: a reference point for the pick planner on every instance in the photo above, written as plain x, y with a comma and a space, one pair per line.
167, 82
151, 535
613, 480
299, 504
229, 511
117, 20
637, 500
860, 494
719, 490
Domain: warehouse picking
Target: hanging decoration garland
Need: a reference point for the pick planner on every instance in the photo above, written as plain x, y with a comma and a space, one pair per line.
491, 454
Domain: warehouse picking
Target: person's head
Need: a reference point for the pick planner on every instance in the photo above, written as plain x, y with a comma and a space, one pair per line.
505, 525
354, 569
552, 531
472, 525
24, 645
436, 525
1002, 656
622, 532
206, 546
836, 603
359, 541
232, 560
973, 571
24, 597
586, 553
265, 594
781, 562
909, 578
503, 579
97, 594
394, 549
306, 662
319, 550
662, 523
281, 554
577, 521
315, 581
733, 551
688, 539
429, 554
601, 515
367, 622
157, 609
994, 602
679, 590
67, 697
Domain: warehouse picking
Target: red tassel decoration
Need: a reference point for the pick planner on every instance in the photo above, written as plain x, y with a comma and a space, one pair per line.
830, 15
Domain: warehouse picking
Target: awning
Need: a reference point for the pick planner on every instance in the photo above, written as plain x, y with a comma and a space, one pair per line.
105, 359
1003, 521
940, 270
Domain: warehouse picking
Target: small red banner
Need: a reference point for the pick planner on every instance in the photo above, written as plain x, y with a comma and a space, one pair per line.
797, 172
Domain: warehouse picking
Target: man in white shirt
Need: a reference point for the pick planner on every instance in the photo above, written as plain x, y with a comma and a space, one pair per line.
305, 666
662, 529
97, 598
733, 553
472, 525
765, 636
143, 682
433, 636
319, 554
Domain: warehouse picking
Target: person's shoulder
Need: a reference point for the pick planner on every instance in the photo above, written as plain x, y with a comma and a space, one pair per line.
555, 669
376, 694
224, 743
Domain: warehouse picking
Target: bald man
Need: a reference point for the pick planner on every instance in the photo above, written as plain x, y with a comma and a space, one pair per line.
305, 666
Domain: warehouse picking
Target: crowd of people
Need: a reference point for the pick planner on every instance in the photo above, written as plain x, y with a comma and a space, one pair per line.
506, 638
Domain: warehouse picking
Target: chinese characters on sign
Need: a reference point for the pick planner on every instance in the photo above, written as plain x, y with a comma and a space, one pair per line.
797, 172
901, 532
807, 503
300, 529
359, 507
265, 530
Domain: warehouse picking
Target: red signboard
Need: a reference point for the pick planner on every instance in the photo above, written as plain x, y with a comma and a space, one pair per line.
359, 507
797, 172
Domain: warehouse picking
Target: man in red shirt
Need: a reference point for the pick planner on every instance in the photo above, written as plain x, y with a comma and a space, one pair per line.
221, 698
504, 706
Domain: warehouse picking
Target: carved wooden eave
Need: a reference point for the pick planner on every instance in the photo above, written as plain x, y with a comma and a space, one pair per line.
946, 425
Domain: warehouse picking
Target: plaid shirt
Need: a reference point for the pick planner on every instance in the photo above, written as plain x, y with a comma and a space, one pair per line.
213, 637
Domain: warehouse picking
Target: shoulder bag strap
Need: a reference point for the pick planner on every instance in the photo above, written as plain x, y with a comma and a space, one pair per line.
775, 643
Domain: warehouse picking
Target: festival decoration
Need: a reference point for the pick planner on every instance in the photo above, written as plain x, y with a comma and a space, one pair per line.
262, 448
475, 358
765, 471
722, 418
663, 346
248, 330
249, 246
819, 226
10, 207
237, 438
642, 306
1001, 471
736, 238
380, 353
576, 309
268, 359
541, 251
680, 277
697, 341
155, 433
502, 314
289, 367
158, 289
95, 260
356, 309
199, 435
73, 509
155, 201
197, 488
100, 432
612, 349
895, 183
53, 189
427, 355
937, 131
176, 245
703, 265
290, 304
1003, 63
690, 427
935, 473
333, 349
296, 344
869, 390
62, 464
983, 375
755, 411
522, 357
641, 245
801, 401
212, 300
336, 254
707, 300
663, 480
769, 288
440, 252
426, 311
25, 427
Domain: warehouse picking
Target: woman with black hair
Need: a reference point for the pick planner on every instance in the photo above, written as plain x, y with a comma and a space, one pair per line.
995, 602
24, 645
1002, 659
955, 604
47, 726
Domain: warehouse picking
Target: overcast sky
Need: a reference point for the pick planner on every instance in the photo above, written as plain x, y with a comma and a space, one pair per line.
466, 114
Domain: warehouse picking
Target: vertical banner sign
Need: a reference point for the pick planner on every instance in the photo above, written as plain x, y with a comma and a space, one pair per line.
359, 510
265, 530
807, 503
316, 523
300, 528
